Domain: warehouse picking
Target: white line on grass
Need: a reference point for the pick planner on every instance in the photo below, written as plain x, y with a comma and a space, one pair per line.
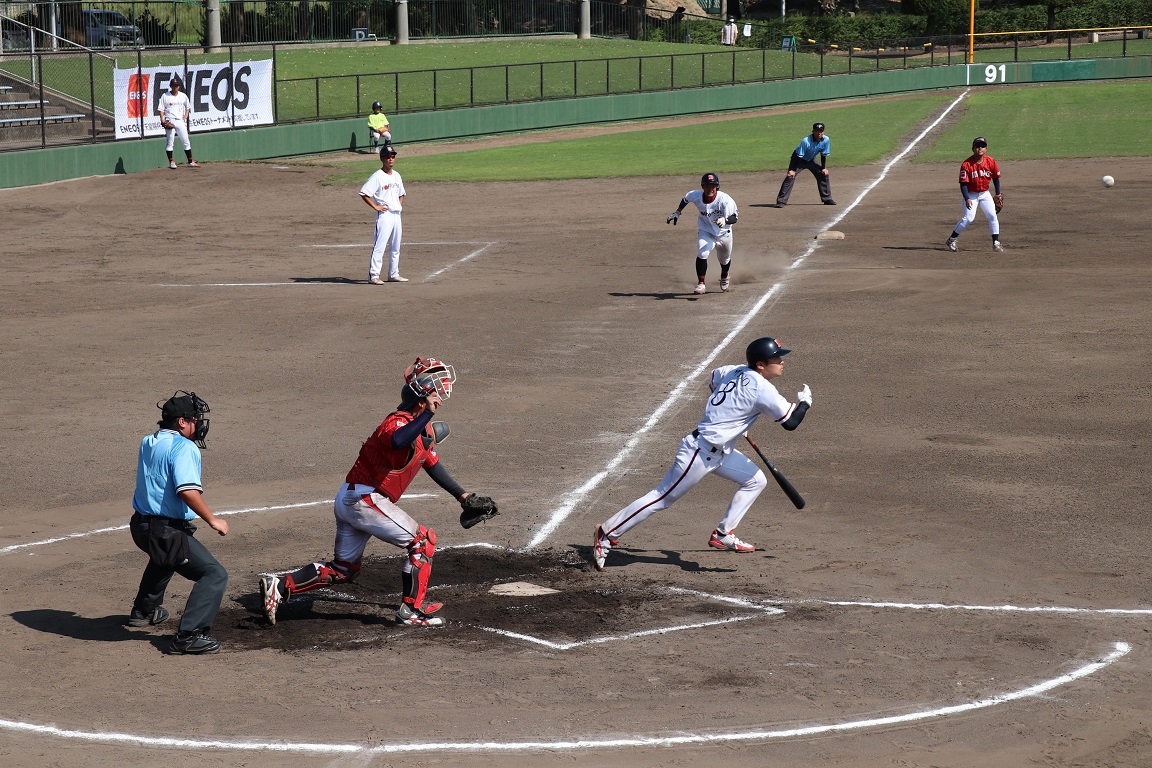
575, 497
1119, 650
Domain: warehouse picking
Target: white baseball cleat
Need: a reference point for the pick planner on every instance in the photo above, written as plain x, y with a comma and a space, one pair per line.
397, 279
729, 542
725, 284
996, 246
414, 617
172, 164
699, 289
951, 244
375, 281
600, 548
270, 596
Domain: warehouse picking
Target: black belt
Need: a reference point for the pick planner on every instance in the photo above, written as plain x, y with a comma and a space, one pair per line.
713, 449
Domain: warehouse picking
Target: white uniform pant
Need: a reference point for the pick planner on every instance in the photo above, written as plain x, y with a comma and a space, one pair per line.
378, 135
722, 244
388, 232
361, 514
180, 130
695, 460
984, 203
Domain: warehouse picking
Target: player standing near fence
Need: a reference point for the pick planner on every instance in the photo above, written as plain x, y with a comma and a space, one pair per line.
175, 109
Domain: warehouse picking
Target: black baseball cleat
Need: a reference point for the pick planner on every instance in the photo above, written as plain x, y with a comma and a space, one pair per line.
157, 616
194, 643
829, 201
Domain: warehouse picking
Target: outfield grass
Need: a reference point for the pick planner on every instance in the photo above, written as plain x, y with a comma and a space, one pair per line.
861, 134
1021, 123
1038, 122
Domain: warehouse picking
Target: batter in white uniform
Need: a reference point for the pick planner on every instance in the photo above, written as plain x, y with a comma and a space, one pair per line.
384, 193
717, 215
175, 109
740, 394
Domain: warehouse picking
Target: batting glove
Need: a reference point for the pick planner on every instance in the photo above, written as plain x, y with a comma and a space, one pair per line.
805, 395
674, 218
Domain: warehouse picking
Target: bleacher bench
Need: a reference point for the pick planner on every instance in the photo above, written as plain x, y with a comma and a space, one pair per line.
18, 121
21, 104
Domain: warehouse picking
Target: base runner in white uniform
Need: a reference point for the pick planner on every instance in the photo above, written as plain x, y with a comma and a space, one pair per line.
714, 227
384, 193
740, 394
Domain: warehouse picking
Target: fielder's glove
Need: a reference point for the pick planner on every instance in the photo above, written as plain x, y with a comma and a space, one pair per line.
166, 124
998, 200
675, 217
805, 395
477, 509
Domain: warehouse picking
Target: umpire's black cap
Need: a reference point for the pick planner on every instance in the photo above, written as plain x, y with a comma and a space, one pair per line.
817, 127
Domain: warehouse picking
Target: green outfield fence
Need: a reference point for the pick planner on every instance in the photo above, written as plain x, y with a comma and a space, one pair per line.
72, 92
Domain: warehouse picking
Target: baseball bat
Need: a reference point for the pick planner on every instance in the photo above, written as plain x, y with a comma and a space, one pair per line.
789, 489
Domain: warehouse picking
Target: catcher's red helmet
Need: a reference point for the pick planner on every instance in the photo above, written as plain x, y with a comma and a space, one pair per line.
428, 375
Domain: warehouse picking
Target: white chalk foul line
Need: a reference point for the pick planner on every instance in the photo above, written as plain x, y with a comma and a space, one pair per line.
738, 601
369, 245
458, 262
1119, 650
82, 534
988, 608
573, 498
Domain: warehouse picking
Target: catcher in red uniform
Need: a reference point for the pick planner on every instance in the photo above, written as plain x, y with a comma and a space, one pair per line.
366, 504
975, 175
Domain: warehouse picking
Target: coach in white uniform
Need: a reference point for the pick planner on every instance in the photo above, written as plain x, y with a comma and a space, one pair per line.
384, 193
175, 109
739, 395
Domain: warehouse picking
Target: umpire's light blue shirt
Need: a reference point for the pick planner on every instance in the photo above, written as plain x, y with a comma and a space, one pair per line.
168, 463
808, 148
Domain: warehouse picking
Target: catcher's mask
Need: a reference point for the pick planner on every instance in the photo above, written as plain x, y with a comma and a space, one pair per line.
428, 375
186, 405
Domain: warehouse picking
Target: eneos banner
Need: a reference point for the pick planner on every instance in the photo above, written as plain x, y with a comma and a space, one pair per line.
225, 95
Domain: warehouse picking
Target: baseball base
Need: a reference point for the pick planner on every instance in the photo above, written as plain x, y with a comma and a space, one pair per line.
1107, 181
830, 234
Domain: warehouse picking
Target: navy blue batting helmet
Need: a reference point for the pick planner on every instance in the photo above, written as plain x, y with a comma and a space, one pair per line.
762, 349
709, 179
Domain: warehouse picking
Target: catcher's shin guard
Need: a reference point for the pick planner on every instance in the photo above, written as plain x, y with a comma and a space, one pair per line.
316, 575
420, 553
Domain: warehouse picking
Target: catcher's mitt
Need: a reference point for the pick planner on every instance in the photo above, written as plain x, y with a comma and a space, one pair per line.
999, 202
477, 509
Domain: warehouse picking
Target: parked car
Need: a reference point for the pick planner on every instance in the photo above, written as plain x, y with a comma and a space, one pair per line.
14, 37
108, 29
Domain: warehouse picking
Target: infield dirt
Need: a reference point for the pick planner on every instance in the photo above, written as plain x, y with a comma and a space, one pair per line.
979, 437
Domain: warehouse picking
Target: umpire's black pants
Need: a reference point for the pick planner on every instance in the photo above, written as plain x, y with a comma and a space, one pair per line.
798, 163
202, 568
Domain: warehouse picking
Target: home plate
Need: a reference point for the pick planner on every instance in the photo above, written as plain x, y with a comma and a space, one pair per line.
830, 234
521, 589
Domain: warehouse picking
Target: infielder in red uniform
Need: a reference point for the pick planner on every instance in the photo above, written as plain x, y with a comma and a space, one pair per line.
365, 505
975, 174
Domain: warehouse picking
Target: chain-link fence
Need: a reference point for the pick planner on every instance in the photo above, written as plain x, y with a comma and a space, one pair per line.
51, 98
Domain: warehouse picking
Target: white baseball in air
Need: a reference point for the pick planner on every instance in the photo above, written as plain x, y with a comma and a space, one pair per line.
1107, 181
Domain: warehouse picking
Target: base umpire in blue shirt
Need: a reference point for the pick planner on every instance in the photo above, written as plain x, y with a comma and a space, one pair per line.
168, 497
805, 157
